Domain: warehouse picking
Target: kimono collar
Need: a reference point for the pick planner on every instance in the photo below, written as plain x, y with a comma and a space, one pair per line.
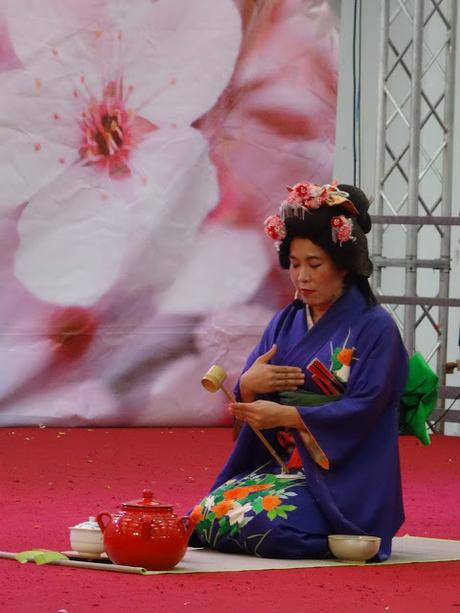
346, 309
350, 306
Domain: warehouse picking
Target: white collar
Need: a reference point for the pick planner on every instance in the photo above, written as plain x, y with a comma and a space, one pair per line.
310, 322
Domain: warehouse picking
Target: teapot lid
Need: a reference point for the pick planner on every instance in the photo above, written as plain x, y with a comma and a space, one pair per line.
147, 502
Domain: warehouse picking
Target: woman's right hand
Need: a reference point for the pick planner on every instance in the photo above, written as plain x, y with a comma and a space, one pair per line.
265, 378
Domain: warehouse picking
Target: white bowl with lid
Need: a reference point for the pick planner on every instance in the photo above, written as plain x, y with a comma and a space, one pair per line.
87, 537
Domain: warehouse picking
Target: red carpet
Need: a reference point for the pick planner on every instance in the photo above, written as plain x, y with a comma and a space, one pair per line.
51, 479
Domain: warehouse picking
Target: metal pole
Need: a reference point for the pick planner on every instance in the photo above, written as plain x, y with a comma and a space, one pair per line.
446, 203
377, 234
414, 163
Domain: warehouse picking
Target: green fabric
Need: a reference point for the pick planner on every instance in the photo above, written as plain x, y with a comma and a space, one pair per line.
417, 403
419, 398
304, 398
40, 556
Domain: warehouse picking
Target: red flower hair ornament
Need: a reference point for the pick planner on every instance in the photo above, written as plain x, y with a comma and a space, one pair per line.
275, 228
304, 198
342, 228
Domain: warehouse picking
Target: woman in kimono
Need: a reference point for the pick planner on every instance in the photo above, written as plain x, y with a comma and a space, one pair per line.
323, 385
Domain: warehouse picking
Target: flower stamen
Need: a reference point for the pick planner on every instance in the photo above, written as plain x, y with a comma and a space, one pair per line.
110, 131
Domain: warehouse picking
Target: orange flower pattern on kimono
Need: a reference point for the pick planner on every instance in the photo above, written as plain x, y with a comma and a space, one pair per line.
270, 502
226, 510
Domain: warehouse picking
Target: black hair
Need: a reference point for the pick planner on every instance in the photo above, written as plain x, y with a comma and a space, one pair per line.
350, 256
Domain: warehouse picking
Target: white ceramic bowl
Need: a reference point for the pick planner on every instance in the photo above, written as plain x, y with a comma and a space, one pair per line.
354, 547
87, 537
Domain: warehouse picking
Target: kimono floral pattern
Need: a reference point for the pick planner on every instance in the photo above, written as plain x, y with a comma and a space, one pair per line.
341, 359
235, 504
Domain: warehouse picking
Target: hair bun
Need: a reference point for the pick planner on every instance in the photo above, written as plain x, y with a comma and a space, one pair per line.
361, 202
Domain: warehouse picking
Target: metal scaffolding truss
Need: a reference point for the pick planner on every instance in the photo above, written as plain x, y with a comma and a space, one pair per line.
414, 165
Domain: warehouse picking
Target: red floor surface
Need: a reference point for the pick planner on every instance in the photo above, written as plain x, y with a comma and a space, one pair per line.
51, 479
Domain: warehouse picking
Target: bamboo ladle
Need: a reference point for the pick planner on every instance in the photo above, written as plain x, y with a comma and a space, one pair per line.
212, 381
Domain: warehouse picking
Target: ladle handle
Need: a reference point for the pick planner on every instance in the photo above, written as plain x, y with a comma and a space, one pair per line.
272, 452
270, 449
229, 394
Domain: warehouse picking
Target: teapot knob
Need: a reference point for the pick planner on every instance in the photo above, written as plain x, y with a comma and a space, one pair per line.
148, 495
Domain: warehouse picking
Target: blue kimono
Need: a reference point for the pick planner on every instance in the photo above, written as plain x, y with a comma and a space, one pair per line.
253, 508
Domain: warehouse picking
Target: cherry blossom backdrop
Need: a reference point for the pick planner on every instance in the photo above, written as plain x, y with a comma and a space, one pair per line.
142, 145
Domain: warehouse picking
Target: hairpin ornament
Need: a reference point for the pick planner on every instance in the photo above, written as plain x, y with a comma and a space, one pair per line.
275, 228
302, 200
305, 197
342, 228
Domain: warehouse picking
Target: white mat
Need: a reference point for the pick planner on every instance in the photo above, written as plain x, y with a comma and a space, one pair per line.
406, 550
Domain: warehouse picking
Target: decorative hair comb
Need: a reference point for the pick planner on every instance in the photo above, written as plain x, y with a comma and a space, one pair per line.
306, 197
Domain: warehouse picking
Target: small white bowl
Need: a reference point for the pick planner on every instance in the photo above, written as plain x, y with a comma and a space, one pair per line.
354, 547
87, 537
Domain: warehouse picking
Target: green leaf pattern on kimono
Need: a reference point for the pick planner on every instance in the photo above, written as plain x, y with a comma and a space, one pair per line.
236, 503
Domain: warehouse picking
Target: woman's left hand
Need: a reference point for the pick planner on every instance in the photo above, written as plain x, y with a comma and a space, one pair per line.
263, 414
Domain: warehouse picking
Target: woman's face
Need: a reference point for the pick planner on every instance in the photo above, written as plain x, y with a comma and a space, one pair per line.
314, 275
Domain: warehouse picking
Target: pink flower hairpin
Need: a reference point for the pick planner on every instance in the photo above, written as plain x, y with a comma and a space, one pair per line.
312, 196
275, 228
342, 228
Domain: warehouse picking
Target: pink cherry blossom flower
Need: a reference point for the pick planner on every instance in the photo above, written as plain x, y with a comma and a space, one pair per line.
69, 365
276, 120
96, 136
116, 180
224, 337
225, 267
65, 404
74, 366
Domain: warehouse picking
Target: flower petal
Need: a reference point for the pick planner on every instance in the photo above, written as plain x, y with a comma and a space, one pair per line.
225, 267
27, 356
75, 404
177, 398
72, 241
8, 58
27, 164
180, 189
225, 337
43, 24
178, 55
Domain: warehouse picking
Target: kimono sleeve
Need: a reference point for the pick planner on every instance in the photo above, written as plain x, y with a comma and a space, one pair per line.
376, 383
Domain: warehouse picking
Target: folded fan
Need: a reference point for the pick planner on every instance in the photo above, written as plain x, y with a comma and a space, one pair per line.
306, 398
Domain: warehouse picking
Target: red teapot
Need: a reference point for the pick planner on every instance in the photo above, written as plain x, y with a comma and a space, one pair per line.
145, 533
